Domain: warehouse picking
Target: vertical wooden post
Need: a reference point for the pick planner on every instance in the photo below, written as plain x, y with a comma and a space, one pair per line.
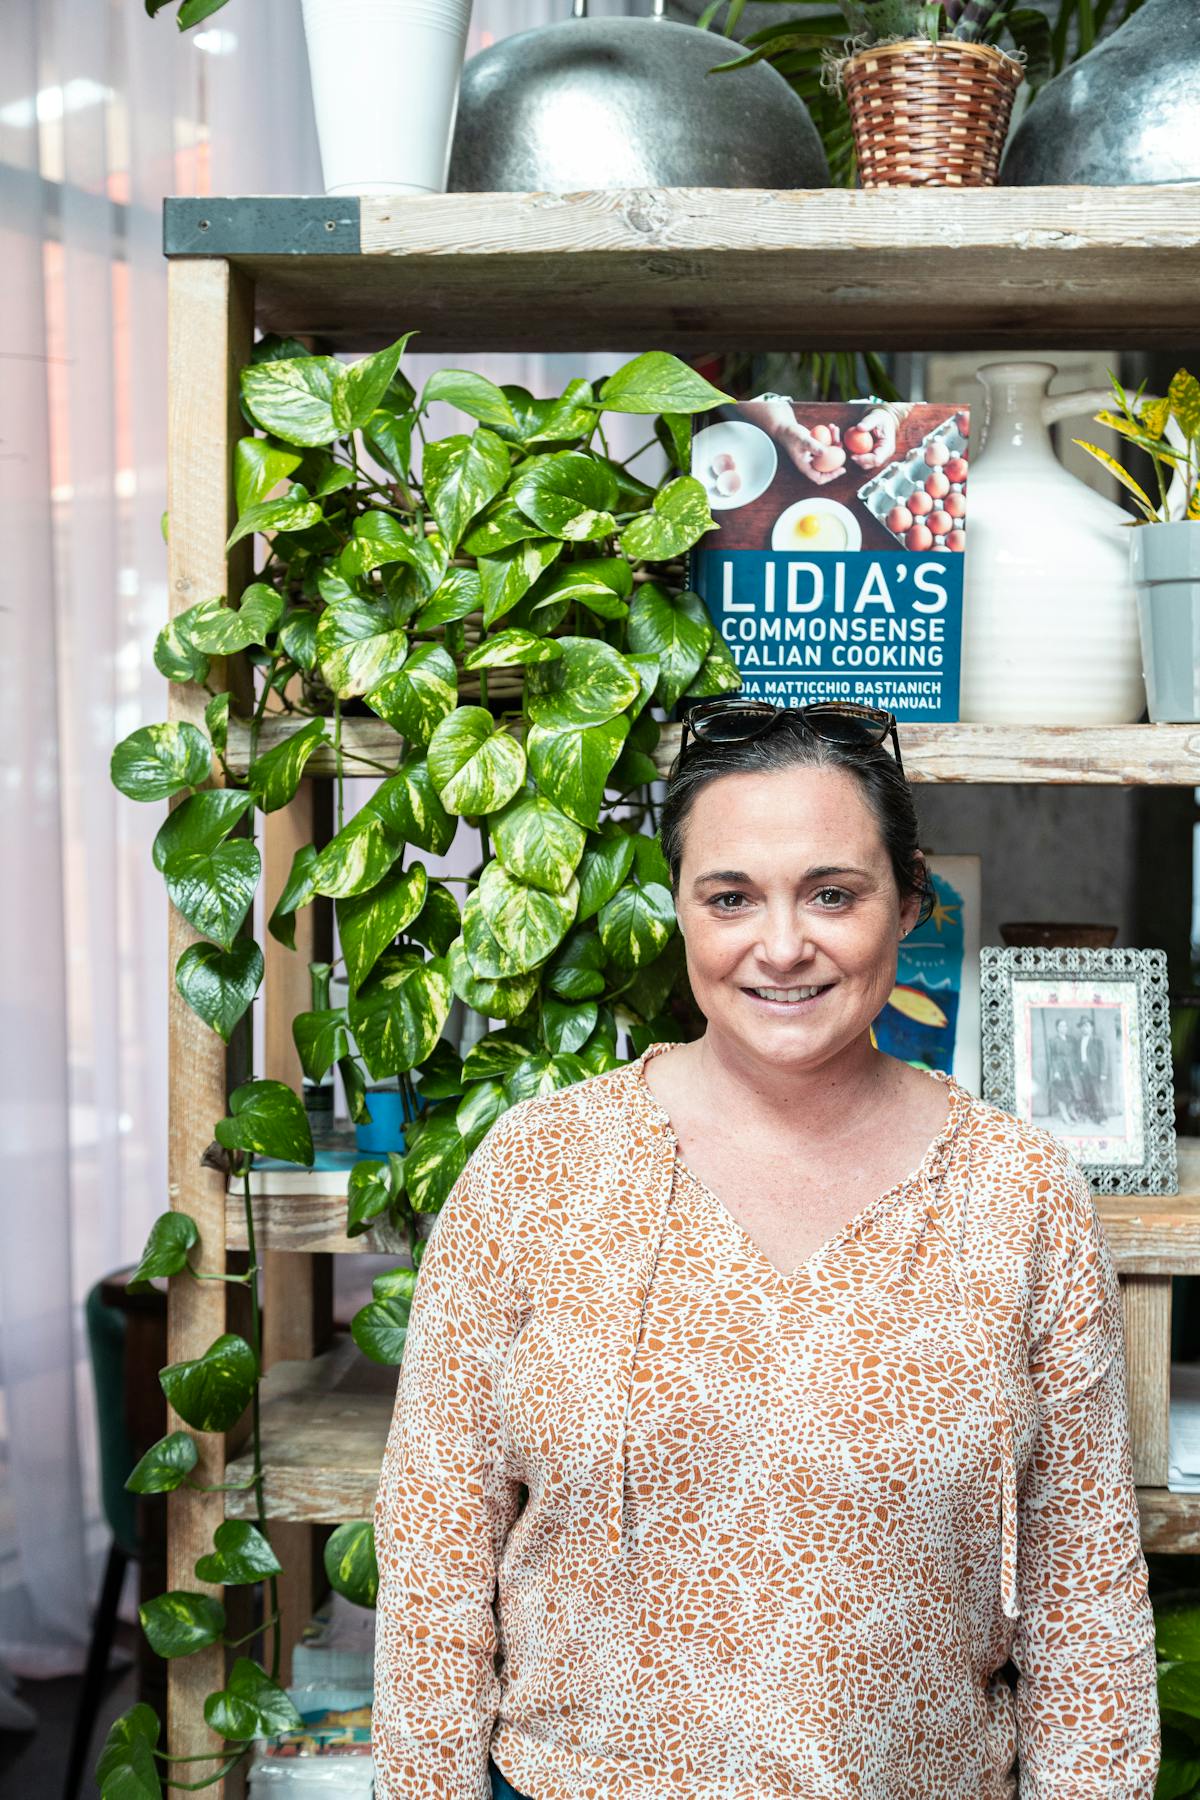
210, 325
1147, 1300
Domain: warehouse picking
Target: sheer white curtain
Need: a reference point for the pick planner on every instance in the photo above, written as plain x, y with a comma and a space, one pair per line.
102, 113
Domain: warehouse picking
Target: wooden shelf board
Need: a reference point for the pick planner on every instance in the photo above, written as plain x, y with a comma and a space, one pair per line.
1059, 755
692, 269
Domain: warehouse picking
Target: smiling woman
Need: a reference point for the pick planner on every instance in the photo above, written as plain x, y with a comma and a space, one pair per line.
772, 1389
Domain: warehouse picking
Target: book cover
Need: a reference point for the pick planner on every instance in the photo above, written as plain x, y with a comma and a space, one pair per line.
836, 568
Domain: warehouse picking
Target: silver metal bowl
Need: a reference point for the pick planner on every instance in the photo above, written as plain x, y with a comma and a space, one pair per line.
613, 103
1127, 112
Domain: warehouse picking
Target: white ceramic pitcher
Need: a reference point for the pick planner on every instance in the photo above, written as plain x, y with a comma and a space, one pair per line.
1050, 629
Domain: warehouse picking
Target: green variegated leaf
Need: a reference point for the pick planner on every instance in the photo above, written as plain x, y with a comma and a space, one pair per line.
597, 684
505, 577
1184, 395
350, 1559
259, 466
495, 1056
368, 923
647, 992
576, 972
355, 1084
569, 495
499, 525
471, 393
297, 637
635, 924
536, 842
298, 890
160, 760
570, 764
211, 1392
293, 511
440, 1075
478, 1111
213, 889
275, 776
225, 631
380, 540
360, 388
172, 1235
398, 1014
219, 985
292, 399
458, 595
674, 629
356, 859
659, 383
606, 862
216, 722
435, 1162
649, 861
495, 999
485, 952
505, 648
475, 765
251, 1705
126, 1768
200, 822
409, 807
178, 1623
176, 655
718, 673
527, 922
568, 1024
388, 437
677, 520
371, 1190
461, 474
320, 1039
358, 644
165, 1466
416, 699
601, 583
380, 1329
241, 1554
439, 922
674, 433
544, 422
540, 1074
268, 1119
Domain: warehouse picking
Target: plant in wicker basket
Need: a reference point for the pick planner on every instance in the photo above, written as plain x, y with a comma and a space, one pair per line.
507, 599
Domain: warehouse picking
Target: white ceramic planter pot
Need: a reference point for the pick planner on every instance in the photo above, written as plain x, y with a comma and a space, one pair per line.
385, 77
1165, 560
1050, 634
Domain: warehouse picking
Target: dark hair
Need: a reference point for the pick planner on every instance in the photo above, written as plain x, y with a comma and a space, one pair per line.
881, 781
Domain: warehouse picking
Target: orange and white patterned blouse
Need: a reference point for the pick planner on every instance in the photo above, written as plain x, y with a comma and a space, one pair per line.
781, 1532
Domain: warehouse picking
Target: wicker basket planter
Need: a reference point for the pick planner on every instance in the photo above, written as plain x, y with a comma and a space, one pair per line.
930, 115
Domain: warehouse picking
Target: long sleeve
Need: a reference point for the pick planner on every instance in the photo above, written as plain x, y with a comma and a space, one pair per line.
1087, 1707
444, 1506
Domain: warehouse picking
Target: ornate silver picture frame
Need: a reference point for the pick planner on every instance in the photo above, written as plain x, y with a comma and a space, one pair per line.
1079, 1042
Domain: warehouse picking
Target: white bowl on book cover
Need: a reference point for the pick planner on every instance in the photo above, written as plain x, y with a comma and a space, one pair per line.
385, 77
1050, 632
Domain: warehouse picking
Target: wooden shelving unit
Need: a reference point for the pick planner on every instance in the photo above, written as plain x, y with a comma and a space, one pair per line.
688, 270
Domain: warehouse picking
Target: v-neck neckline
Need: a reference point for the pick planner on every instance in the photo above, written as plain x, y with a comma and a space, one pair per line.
925, 1171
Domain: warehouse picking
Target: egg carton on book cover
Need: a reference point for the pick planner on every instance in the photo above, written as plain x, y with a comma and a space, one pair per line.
835, 568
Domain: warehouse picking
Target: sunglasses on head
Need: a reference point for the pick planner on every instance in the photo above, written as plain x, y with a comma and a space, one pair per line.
730, 720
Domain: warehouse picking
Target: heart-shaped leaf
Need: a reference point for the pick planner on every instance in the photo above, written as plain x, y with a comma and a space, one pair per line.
416, 699
298, 890
126, 1769
471, 393
358, 857
225, 630
527, 922
537, 843
175, 654
380, 539
507, 648
439, 921
165, 1466
675, 630
360, 388
180, 1623
380, 1328
199, 823
457, 596
293, 511
558, 421
292, 398
251, 1705
440, 1075
649, 861
368, 923
242, 1554
350, 1562
509, 574
478, 1111
498, 525
475, 765
506, 999
677, 520
216, 721
601, 583
597, 684
571, 763
275, 776
497, 1055
568, 1024
297, 637
635, 924
267, 1118
355, 1084
659, 383
569, 495
674, 433
219, 985
540, 1074
397, 1015
320, 1039
718, 673
171, 1237
259, 466
435, 1161
213, 889
160, 760
460, 475
371, 1189
408, 805
606, 862
576, 972
358, 644
211, 1392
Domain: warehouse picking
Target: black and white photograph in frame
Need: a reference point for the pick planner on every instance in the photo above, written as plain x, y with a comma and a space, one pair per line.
1078, 1042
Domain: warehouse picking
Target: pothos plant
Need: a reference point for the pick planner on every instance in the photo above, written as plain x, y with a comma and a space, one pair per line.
506, 598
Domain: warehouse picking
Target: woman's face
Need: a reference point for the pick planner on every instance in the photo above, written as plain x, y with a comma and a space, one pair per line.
790, 913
